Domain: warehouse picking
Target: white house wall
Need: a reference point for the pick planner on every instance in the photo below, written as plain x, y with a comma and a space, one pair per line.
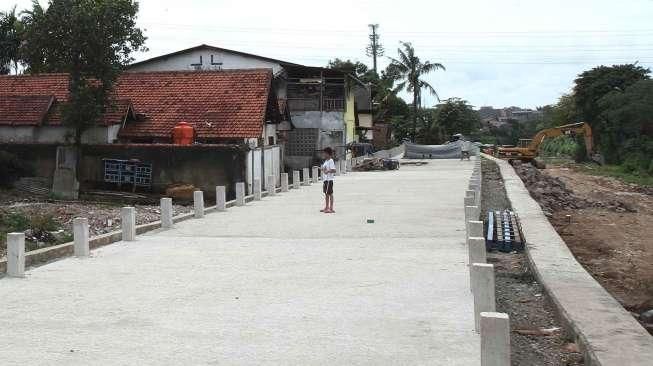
56, 134
185, 61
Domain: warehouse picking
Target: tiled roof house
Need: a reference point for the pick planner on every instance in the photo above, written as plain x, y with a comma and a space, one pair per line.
223, 106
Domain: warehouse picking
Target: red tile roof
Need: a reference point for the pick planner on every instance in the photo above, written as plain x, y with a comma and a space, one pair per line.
220, 104
24, 110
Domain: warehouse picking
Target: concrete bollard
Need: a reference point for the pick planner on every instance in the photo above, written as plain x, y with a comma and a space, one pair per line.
495, 339
221, 198
476, 253
472, 213
295, 179
271, 186
470, 201
128, 223
166, 212
306, 180
198, 204
16, 254
343, 168
338, 167
284, 182
240, 194
315, 174
474, 230
483, 291
80, 237
257, 189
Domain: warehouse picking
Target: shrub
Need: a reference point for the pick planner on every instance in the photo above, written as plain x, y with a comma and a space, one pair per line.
12, 168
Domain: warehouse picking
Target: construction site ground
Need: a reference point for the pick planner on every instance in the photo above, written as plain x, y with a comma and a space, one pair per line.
607, 225
537, 337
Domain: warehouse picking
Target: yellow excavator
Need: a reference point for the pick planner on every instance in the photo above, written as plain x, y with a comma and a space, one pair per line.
529, 148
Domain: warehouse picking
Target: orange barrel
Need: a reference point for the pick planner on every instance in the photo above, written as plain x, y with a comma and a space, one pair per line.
183, 134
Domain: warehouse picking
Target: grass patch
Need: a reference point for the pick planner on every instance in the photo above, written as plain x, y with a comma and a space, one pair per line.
619, 172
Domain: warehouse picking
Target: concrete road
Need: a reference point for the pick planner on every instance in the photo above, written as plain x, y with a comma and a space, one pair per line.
272, 283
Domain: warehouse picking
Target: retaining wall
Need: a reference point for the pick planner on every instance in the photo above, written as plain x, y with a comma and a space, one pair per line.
606, 332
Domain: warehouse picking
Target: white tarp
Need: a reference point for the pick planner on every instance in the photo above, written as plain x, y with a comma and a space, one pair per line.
451, 150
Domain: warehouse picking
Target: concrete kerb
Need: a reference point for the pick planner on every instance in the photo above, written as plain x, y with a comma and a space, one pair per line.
284, 182
166, 212
483, 291
271, 186
128, 223
198, 204
240, 194
16, 254
306, 180
315, 174
80, 237
495, 339
295, 179
257, 189
602, 327
220, 198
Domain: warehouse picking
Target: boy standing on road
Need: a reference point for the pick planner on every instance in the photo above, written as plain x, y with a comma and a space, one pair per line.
328, 171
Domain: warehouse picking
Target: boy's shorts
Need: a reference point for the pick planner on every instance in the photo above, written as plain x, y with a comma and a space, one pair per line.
327, 187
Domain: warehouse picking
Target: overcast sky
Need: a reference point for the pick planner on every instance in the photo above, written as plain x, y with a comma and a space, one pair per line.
497, 52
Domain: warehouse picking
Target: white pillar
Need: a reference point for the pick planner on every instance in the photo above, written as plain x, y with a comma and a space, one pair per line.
221, 198
474, 230
257, 189
240, 194
295, 179
343, 168
284, 182
128, 223
166, 212
271, 188
483, 291
476, 253
80, 236
198, 203
495, 339
472, 213
305, 178
16, 254
470, 201
315, 174
338, 167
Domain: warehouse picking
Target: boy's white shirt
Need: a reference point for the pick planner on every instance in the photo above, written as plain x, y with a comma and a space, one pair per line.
328, 165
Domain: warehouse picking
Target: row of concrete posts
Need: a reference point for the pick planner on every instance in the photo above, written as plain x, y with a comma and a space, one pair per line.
81, 248
494, 328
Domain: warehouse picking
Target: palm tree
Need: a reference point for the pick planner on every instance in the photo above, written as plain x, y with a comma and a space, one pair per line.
410, 69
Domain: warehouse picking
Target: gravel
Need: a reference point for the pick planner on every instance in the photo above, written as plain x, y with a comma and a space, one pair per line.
520, 295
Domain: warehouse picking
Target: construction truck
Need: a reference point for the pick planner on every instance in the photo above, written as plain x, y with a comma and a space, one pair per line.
528, 149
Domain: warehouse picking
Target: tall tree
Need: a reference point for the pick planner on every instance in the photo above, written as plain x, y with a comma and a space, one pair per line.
455, 115
410, 70
91, 40
591, 86
10, 40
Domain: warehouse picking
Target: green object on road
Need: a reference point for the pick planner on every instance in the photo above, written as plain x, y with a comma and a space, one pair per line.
370, 221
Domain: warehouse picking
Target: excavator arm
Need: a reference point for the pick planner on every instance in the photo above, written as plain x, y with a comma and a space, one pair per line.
530, 152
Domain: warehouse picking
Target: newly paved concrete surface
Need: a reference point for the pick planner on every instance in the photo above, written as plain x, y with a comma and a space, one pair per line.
272, 283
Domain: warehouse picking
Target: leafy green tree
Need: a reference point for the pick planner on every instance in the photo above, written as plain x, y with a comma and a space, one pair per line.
409, 70
10, 40
455, 115
92, 41
594, 84
357, 69
627, 133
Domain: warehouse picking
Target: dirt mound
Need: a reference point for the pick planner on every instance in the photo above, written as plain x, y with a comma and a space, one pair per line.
553, 195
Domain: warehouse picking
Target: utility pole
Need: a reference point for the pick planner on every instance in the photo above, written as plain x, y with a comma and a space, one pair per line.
374, 49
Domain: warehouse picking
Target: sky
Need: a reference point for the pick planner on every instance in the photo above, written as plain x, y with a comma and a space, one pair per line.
496, 52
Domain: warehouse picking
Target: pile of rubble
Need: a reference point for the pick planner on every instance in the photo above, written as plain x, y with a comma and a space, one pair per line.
553, 195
